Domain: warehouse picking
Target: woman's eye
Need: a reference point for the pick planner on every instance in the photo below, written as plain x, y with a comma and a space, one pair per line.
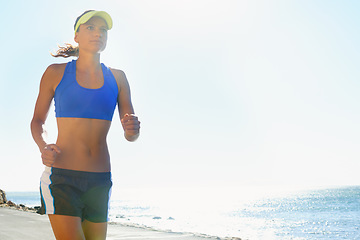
90, 28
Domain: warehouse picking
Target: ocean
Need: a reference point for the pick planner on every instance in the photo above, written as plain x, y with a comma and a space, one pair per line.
245, 212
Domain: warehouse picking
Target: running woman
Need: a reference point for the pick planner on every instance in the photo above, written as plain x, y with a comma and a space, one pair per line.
75, 186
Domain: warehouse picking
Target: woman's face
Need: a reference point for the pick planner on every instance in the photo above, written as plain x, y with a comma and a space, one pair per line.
92, 35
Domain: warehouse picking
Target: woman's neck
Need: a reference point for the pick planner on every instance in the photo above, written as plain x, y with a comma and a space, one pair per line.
87, 61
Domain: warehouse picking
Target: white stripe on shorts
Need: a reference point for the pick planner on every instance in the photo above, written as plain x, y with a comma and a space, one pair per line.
46, 195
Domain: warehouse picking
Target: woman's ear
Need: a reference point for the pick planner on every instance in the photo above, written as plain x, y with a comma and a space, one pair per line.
76, 37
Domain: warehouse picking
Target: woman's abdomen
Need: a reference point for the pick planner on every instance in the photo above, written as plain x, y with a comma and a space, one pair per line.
83, 145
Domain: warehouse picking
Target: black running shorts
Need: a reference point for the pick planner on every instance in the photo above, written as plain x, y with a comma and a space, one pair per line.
75, 193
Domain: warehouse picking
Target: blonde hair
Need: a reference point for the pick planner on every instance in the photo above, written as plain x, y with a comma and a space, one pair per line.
67, 51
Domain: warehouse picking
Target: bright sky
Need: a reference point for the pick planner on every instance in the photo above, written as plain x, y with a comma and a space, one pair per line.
228, 92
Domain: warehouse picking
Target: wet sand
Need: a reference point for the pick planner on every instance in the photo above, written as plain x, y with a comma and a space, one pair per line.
19, 225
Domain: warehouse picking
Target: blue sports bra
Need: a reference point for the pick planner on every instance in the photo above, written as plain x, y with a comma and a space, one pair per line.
75, 101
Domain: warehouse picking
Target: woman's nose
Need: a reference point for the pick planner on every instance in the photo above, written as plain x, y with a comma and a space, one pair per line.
99, 33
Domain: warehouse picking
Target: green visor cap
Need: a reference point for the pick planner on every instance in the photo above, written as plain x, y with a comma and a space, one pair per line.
83, 18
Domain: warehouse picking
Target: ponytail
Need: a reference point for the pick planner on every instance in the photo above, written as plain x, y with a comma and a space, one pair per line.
67, 51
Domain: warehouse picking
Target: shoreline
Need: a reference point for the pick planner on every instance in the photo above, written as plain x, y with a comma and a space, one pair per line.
22, 224
19, 221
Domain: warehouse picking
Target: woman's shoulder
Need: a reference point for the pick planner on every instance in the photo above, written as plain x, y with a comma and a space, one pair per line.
118, 74
120, 78
56, 67
53, 74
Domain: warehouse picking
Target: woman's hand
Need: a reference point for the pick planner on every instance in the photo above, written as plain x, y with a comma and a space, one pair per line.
49, 154
131, 126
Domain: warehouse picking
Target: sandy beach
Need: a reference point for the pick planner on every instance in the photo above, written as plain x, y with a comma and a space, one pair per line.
17, 224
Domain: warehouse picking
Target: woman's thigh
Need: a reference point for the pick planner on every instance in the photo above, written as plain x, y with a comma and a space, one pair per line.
94, 231
66, 227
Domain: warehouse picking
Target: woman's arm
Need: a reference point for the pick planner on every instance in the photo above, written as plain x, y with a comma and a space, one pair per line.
42, 106
129, 121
